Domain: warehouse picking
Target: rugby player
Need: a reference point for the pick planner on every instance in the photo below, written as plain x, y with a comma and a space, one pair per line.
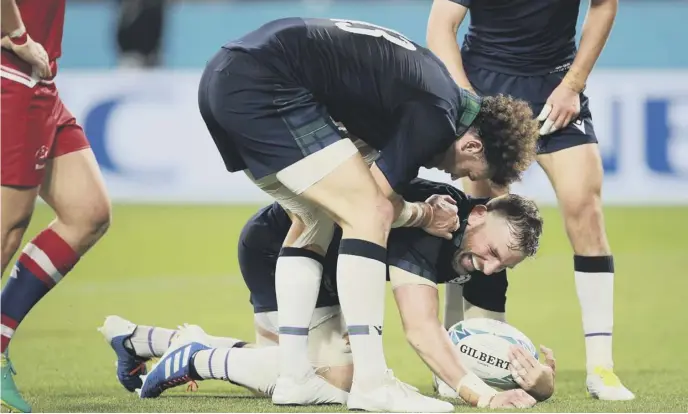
497, 233
527, 49
44, 153
270, 101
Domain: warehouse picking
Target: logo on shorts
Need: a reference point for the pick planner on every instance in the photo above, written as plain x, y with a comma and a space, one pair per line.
378, 329
461, 279
41, 157
578, 123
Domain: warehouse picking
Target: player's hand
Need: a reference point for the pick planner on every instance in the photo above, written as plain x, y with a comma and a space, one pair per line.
512, 399
32, 53
535, 378
562, 107
445, 216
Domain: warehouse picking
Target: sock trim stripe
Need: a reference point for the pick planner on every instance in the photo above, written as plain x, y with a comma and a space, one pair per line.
210, 362
8, 322
363, 248
43, 261
593, 264
358, 330
150, 341
169, 341
60, 252
26, 264
293, 330
300, 252
6, 331
226, 362
588, 335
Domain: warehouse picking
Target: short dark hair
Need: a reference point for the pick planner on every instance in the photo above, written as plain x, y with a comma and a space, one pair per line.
509, 134
523, 218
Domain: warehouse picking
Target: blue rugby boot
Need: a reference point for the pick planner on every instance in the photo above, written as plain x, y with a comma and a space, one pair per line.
130, 367
176, 365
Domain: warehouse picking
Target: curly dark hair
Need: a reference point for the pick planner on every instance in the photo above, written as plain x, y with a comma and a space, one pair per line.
523, 218
509, 134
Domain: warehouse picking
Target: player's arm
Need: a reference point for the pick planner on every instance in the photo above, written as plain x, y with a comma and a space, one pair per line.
598, 24
420, 135
15, 38
418, 305
443, 26
11, 18
563, 105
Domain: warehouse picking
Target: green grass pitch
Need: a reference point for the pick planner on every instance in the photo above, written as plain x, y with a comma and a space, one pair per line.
166, 265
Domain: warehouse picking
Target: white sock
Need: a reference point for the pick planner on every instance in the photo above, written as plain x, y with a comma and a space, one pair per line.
253, 368
222, 341
453, 304
297, 284
595, 287
150, 341
361, 271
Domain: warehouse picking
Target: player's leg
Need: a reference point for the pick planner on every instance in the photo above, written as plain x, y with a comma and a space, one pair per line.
27, 135
297, 274
253, 367
576, 175
350, 195
134, 345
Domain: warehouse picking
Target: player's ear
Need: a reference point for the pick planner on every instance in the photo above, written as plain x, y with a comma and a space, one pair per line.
478, 215
471, 143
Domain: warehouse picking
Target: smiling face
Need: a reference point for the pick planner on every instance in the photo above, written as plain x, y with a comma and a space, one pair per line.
487, 244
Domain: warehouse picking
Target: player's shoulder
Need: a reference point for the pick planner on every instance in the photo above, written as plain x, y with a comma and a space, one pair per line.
415, 251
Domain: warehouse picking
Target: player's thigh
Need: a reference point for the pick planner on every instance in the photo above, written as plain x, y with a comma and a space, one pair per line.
576, 174
27, 131
311, 226
73, 185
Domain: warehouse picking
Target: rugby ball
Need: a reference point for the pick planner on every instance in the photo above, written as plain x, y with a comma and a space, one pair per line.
483, 346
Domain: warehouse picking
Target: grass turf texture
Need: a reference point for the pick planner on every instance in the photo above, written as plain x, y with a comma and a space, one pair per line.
166, 265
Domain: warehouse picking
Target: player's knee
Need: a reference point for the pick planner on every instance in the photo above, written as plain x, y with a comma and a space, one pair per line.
98, 222
317, 231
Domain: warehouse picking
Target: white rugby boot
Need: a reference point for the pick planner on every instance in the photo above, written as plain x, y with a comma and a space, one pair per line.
442, 389
603, 384
395, 396
310, 389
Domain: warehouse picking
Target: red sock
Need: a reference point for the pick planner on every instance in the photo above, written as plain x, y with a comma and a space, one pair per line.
42, 264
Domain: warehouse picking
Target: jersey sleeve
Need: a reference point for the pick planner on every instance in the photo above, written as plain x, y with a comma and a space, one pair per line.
414, 251
423, 131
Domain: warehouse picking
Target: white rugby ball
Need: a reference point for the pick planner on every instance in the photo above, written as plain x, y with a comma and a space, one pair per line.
483, 345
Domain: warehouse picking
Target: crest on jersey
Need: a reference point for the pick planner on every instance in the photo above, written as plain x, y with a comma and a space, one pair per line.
460, 280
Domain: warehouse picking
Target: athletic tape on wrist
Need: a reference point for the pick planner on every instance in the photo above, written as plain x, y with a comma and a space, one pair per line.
477, 386
407, 212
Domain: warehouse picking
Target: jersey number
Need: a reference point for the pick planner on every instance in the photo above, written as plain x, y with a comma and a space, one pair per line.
353, 26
